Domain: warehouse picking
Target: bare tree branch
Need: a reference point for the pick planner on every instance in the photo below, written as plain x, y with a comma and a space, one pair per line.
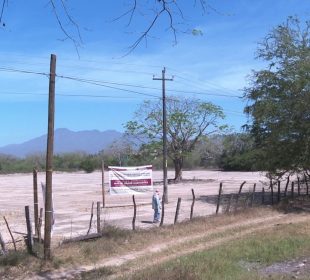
60, 23
2, 11
73, 22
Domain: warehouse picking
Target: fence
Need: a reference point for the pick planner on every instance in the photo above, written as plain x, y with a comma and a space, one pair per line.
192, 198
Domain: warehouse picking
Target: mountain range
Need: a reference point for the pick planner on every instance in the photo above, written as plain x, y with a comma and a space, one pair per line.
65, 141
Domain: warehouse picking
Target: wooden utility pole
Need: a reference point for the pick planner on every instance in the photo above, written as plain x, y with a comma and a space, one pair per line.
164, 79
35, 200
49, 161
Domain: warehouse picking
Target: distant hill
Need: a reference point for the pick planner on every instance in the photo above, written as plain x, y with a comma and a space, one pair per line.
66, 141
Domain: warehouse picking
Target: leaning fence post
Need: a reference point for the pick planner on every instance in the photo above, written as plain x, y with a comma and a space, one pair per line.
219, 198
239, 193
7, 225
162, 210
91, 217
286, 186
292, 190
134, 213
177, 210
253, 194
98, 217
29, 230
193, 203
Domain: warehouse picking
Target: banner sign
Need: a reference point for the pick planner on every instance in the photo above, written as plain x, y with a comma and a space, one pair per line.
131, 180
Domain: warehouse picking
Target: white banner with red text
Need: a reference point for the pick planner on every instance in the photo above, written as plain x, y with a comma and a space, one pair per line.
130, 180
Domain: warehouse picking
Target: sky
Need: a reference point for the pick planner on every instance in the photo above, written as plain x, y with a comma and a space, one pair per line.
214, 66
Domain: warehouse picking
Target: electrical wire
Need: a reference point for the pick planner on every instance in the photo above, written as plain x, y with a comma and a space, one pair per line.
103, 84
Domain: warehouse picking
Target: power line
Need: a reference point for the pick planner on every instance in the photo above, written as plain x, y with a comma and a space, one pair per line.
106, 86
69, 95
77, 79
102, 83
5, 69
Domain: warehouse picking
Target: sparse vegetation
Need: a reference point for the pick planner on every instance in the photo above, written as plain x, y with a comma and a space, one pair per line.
262, 247
240, 259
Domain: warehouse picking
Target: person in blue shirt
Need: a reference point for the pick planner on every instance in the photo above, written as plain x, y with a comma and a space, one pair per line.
156, 205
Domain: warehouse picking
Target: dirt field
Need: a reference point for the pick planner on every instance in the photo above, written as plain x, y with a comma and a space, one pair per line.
74, 193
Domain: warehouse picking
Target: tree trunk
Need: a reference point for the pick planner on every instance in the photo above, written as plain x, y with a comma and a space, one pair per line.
178, 166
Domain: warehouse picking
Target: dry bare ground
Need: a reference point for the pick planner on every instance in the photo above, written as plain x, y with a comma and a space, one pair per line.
73, 194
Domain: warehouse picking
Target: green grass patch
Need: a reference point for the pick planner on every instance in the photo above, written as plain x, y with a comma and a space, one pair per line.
239, 259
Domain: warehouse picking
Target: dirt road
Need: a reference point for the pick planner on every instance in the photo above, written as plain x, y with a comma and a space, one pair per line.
134, 261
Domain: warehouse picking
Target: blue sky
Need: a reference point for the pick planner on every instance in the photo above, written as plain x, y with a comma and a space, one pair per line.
215, 64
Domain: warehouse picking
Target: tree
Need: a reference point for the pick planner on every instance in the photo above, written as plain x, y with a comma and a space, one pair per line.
238, 153
279, 99
187, 121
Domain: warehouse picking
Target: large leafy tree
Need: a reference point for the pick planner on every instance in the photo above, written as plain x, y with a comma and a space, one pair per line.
279, 99
187, 121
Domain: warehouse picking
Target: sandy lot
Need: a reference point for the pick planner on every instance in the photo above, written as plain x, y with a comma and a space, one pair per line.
74, 193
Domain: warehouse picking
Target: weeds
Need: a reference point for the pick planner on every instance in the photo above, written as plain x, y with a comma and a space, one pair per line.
225, 262
13, 258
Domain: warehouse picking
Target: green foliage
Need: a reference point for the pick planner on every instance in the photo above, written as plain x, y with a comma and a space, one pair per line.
279, 99
188, 120
89, 164
238, 153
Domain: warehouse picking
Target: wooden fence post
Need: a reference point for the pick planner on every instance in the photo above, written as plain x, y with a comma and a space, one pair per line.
7, 225
91, 217
134, 213
292, 190
279, 191
29, 230
102, 182
298, 186
40, 224
162, 210
35, 200
271, 189
286, 186
239, 193
253, 195
98, 217
193, 203
177, 210
263, 195
307, 186
219, 198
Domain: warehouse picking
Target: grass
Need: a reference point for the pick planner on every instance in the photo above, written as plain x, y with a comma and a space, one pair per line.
117, 241
120, 241
232, 261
